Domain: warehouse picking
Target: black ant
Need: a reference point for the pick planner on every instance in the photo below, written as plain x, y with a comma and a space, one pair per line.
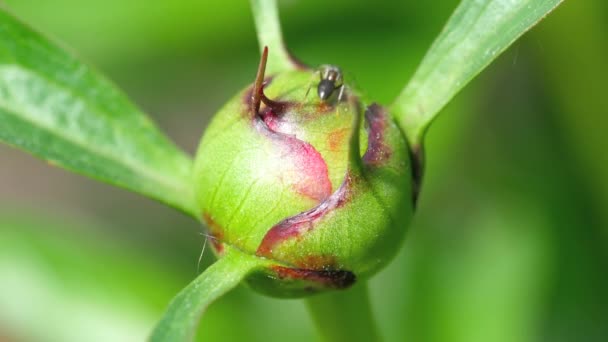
330, 80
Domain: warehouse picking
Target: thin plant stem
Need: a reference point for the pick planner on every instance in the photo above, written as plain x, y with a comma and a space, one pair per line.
268, 28
344, 315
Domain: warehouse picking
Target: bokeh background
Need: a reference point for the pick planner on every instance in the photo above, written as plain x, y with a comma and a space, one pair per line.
510, 242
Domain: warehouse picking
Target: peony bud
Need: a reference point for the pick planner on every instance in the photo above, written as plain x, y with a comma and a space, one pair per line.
293, 176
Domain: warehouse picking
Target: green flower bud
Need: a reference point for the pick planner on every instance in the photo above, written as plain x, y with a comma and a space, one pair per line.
318, 183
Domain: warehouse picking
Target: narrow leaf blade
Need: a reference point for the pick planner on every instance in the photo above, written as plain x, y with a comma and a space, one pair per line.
184, 313
61, 110
268, 27
477, 32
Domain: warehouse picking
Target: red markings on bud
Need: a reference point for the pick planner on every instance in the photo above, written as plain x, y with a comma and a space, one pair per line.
317, 262
338, 139
328, 278
315, 183
276, 107
297, 225
299, 164
377, 151
216, 233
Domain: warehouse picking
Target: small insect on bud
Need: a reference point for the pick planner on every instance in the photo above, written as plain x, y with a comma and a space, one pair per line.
319, 186
331, 79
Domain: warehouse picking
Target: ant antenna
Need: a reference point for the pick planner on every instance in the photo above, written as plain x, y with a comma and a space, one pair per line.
200, 258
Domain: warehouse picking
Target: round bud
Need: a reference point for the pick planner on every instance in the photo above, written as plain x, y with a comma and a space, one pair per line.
320, 187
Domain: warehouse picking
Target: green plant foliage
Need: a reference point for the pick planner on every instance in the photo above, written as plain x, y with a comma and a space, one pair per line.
477, 32
106, 290
181, 319
62, 111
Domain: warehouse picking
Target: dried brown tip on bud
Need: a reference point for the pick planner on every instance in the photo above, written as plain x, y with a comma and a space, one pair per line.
258, 85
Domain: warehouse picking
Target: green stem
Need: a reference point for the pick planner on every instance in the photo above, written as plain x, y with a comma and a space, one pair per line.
181, 318
344, 315
268, 27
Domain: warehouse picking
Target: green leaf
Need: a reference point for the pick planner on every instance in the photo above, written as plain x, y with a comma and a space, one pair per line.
477, 32
268, 27
181, 319
87, 277
62, 111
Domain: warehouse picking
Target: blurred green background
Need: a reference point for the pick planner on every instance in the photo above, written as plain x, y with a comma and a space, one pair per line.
510, 242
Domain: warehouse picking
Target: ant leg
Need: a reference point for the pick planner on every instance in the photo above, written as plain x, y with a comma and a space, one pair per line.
310, 83
340, 97
341, 93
